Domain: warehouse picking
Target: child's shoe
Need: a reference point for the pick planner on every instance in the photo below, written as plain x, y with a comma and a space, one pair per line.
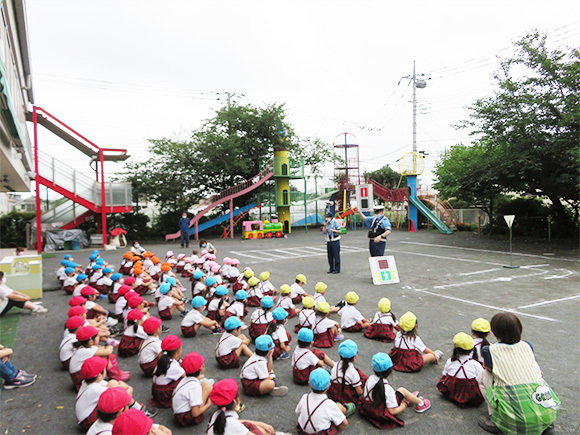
339, 337
424, 407
350, 409
284, 356
439, 354
279, 391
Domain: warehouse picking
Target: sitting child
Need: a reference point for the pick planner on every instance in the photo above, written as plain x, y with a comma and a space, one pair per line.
305, 360
261, 318
150, 350
232, 344
278, 332
286, 302
307, 315
347, 382
325, 330
351, 320
191, 396
257, 373
381, 328
194, 319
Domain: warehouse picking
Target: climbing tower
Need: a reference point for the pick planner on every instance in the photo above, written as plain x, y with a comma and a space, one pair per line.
286, 170
346, 169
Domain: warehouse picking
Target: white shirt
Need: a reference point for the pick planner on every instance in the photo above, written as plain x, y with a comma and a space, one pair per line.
472, 368
214, 304
192, 318
147, 263
237, 309
89, 305
153, 270
88, 397
259, 316
408, 343
105, 281
304, 358
384, 319
150, 348
266, 286
349, 316
255, 291
95, 276
352, 377
227, 344
322, 324
79, 357
69, 281
186, 395
256, 367
234, 272
296, 290
233, 425
101, 428
286, 303
326, 414
66, 349
180, 263
198, 288
174, 372
390, 395
165, 302
280, 334
5, 291
77, 290
60, 273
319, 297
120, 305
306, 318
226, 270
130, 332
477, 345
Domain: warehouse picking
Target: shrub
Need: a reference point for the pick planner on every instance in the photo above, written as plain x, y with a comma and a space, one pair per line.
13, 228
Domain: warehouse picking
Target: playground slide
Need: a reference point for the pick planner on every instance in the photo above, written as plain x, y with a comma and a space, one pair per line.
223, 218
429, 215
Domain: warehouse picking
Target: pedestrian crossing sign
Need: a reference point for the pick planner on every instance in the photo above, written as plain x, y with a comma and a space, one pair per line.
384, 270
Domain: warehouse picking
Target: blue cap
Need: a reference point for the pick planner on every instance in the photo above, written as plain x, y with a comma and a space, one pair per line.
210, 280
64, 262
95, 251
92, 257
382, 362
164, 288
69, 270
198, 274
232, 323
171, 281
267, 302
107, 270
198, 301
67, 256
221, 290
73, 264
264, 343
100, 261
319, 379
306, 335
241, 295
81, 277
348, 349
279, 313
96, 267
115, 276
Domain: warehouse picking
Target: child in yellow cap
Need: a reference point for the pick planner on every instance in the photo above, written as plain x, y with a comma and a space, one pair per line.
266, 286
318, 297
242, 280
383, 326
297, 289
286, 301
410, 353
325, 330
255, 294
458, 383
307, 315
480, 329
351, 319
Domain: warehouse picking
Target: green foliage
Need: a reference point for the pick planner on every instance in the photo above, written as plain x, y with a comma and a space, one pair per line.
136, 225
13, 228
387, 177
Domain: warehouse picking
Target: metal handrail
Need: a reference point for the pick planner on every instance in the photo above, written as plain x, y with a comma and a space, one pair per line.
241, 186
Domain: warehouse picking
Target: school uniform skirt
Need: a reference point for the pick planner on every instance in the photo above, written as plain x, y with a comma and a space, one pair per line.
186, 419
462, 392
149, 368
348, 393
113, 297
77, 379
324, 340
297, 299
162, 394
379, 416
229, 361
257, 329
278, 349
129, 346
379, 332
357, 327
291, 312
301, 377
88, 422
189, 331
298, 327
252, 387
406, 360
141, 290
214, 315
253, 301
332, 430
165, 314
69, 289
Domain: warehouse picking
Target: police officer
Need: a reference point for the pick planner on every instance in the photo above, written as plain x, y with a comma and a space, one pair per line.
332, 231
380, 228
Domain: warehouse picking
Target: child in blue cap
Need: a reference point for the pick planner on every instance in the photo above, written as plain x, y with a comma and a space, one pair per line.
216, 309
167, 304
278, 332
70, 281
194, 319
238, 307
257, 374
347, 382
197, 283
261, 318
60, 275
305, 360
82, 280
211, 284
380, 403
317, 414
232, 344
104, 282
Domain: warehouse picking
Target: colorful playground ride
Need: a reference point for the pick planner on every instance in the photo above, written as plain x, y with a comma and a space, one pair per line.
262, 230
445, 209
414, 200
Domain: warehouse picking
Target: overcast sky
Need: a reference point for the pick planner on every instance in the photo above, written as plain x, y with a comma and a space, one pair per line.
122, 71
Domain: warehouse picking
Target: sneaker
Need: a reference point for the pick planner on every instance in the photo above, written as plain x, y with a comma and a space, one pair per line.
279, 391
23, 374
18, 382
165, 328
422, 408
111, 322
218, 330
486, 424
240, 408
113, 342
39, 309
184, 313
187, 301
284, 356
439, 354
149, 411
341, 304
339, 337
350, 408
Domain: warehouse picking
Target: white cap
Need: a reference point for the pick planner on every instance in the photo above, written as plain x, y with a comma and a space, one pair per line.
379, 207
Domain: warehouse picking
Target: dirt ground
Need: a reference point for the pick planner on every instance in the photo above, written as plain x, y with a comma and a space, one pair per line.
447, 281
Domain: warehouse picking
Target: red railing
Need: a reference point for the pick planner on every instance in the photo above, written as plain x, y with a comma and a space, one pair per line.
389, 195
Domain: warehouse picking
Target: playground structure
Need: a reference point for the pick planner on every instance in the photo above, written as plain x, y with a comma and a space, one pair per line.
346, 169
263, 230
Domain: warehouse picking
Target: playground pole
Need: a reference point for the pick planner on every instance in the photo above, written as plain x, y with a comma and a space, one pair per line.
231, 218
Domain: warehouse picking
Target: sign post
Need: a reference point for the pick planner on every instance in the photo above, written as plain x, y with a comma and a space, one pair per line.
509, 220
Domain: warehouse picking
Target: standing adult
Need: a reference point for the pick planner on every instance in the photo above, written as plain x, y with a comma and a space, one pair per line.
184, 228
380, 228
332, 230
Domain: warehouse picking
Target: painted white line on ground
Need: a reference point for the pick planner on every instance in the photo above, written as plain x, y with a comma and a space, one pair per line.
534, 265
442, 257
491, 251
478, 272
284, 251
487, 281
539, 304
244, 254
566, 275
486, 305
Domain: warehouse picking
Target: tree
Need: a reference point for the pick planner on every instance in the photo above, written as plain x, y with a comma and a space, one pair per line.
526, 133
387, 177
229, 148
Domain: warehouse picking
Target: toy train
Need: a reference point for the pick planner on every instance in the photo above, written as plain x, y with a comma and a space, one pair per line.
263, 230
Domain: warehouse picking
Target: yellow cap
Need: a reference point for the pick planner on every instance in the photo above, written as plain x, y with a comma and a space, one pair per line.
323, 307
463, 341
384, 305
264, 276
285, 289
308, 302
408, 321
352, 298
253, 281
320, 287
248, 273
301, 278
481, 325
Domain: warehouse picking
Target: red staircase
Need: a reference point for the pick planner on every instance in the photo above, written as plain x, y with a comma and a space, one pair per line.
389, 195
445, 209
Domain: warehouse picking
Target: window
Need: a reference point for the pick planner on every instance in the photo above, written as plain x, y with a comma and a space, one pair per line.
284, 169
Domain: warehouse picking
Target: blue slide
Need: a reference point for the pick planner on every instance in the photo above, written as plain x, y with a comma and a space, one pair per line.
220, 219
429, 215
